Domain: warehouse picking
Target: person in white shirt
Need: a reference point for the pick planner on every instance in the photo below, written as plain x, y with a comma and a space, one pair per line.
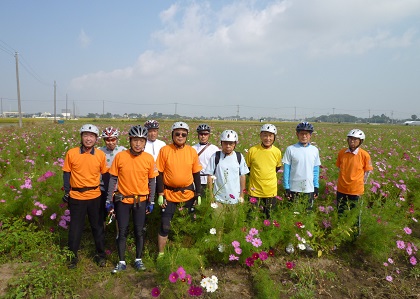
204, 150
153, 145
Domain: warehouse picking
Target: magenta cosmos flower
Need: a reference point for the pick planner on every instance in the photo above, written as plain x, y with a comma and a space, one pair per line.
155, 292
173, 277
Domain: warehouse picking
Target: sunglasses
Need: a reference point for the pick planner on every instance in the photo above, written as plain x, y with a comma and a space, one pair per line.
203, 133
177, 134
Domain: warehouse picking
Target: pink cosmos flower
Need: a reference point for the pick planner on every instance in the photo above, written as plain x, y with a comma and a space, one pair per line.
413, 260
409, 250
189, 279
256, 242
400, 244
407, 230
181, 273
155, 292
53, 216
235, 244
173, 277
233, 257
63, 223
263, 255
28, 217
253, 231
309, 234
249, 238
267, 222
389, 278
290, 265
386, 264
249, 262
252, 200
238, 250
390, 260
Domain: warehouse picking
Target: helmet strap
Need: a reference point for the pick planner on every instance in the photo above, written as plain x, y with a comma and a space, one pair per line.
203, 143
135, 153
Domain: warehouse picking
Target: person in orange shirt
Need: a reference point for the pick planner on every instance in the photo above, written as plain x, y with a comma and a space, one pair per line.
354, 165
82, 171
178, 181
135, 171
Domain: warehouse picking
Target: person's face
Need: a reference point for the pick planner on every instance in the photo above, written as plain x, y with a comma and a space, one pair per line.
353, 143
180, 136
203, 136
152, 134
228, 147
111, 143
89, 139
304, 137
267, 138
137, 144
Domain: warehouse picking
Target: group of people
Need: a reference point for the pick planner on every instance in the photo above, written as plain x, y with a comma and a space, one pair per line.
113, 179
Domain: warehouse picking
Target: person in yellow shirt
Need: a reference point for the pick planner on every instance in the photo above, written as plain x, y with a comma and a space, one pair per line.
178, 181
134, 170
264, 161
82, 171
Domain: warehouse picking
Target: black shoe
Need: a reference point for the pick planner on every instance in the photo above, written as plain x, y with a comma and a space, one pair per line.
101, 261
73, 263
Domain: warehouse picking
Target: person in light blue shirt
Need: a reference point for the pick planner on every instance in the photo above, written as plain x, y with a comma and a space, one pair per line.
301, 166
228, 169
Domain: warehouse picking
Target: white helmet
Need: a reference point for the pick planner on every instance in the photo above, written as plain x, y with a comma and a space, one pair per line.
229, 135
90, 128
356, 133
180, 125
269, 128
110, 132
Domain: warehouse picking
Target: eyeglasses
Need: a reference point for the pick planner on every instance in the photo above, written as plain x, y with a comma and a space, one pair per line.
177, 134
203, 133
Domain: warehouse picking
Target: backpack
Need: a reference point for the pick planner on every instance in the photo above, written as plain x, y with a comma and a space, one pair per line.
217, 159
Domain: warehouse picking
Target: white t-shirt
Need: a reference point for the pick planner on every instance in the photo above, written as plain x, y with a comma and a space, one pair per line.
302, 160
227, 186
205, 158
153, 147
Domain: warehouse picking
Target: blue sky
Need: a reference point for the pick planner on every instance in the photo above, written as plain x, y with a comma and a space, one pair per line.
209, 58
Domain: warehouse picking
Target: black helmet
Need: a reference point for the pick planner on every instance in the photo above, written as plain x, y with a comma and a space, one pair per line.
151, 124
203, 127
138, 131
305, 126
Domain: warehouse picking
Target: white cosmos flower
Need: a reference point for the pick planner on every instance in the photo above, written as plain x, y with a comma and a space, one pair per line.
213, 231
301, 246
214, 205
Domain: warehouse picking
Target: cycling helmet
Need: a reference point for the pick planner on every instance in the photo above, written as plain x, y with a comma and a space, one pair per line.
151, 124
305, 126
90, 128
110, 132
269, 128
357, 134
203, 127
229, 135
138, 131
180, 125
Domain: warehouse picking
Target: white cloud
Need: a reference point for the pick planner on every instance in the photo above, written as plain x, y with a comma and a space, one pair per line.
84, 39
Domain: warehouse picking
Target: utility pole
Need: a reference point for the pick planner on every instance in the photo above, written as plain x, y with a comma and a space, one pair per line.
103, 108
1, 106
55, 102
237, 111
176, 107
67, 111
295, 112
18, 89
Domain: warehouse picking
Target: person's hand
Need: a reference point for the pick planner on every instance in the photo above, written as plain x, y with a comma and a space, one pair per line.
149, 207
316, 189
288, 194
65, 197
161, 201
198, 200
109, 206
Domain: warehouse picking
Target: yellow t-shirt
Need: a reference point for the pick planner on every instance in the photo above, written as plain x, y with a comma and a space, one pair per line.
263, 176
85, 171
133, 174
178, 166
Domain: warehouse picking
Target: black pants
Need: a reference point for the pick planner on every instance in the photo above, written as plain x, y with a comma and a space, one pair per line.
168, 213
346, 202
78, 211
138, 212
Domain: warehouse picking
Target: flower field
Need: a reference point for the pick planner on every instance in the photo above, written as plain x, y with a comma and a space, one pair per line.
219, 252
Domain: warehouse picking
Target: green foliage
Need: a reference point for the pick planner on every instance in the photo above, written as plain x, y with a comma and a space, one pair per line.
263, 284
